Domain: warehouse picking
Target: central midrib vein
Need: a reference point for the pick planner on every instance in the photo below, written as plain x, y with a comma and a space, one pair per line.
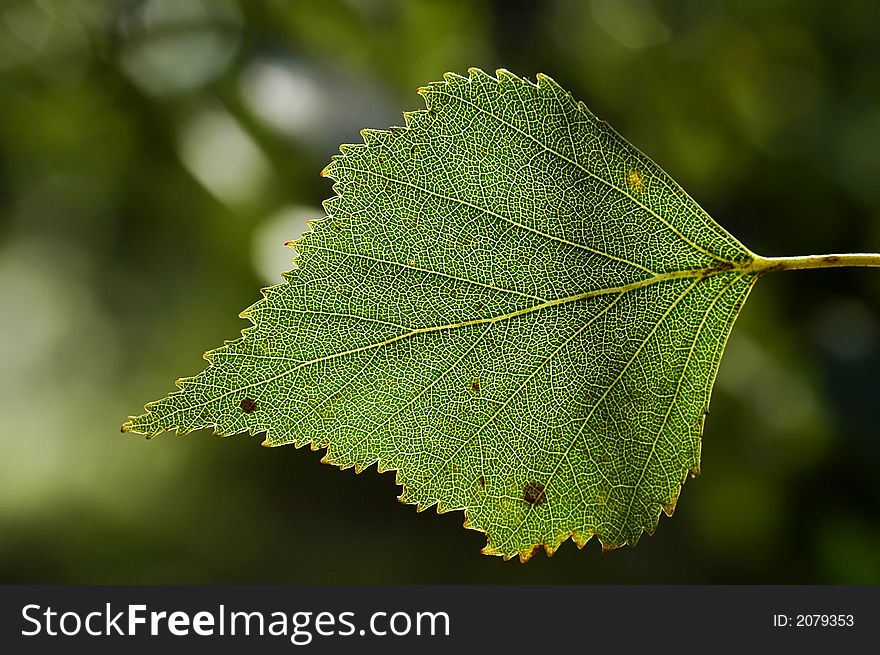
744, 268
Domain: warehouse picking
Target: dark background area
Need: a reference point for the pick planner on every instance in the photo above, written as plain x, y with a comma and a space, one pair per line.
155, 155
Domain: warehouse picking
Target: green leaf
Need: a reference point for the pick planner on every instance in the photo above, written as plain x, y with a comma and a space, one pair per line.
508, 304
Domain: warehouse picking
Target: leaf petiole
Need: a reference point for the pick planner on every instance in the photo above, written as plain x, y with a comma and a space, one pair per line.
768, 264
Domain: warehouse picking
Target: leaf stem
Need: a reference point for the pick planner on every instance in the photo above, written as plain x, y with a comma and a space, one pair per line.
767, 264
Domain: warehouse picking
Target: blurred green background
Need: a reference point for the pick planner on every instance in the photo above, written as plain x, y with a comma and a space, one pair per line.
155, 155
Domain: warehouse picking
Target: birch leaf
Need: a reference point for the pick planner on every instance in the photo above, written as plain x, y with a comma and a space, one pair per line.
509, 305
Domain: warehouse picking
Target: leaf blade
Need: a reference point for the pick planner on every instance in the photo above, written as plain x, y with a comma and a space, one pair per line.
477, 312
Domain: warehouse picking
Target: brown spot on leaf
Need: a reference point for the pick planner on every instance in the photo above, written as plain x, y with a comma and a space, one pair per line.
533, 493
248, 405
475, 385
431, 111
482, 481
